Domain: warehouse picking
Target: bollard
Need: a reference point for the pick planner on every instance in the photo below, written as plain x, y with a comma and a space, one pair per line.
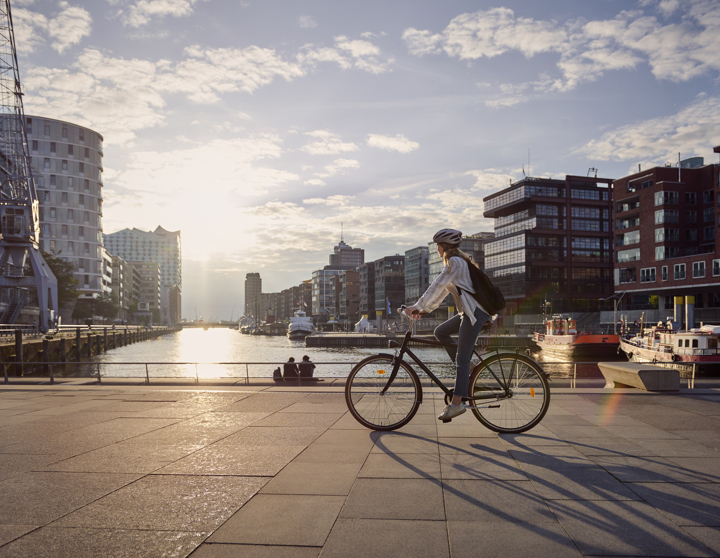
46, 354
52, 376
5, 372
78, 344
98, 374
18, 352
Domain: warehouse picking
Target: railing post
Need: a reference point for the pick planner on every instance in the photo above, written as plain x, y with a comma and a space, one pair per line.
105, 341
574, 376
46, 353
52, 376
147, 374
693, 376
197, 380
5, 372
18, 352
247, 375
98, 374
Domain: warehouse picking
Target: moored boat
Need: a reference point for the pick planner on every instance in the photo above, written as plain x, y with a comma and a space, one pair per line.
561, 338
300, 326
664, 344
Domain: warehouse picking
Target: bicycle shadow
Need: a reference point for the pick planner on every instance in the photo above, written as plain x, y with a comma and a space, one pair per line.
595, 507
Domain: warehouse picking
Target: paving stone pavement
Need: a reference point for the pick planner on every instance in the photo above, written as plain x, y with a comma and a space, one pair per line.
257, 471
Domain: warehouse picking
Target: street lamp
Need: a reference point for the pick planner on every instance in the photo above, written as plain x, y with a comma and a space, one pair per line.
616, 301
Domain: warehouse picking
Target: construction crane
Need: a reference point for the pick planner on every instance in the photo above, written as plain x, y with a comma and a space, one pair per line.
22, 266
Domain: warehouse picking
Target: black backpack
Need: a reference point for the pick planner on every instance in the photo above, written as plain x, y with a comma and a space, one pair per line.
487, 294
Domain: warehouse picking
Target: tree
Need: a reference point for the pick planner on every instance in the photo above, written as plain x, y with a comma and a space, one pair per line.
105, 306
66, 282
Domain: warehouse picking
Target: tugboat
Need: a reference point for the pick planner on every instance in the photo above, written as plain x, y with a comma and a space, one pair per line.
300, 326
561, 338
663, 343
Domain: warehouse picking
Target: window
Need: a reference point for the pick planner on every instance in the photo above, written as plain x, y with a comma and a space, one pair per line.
47, 129
71, 247
667, 198
708, 233
659, 253
53, 148
716, 268
679, 271
64, 230
82, 168
53, 180
691, 235
666, 216
86, 249
81, 232
698, 269
628, 255
82, 135
708, 196
690, 198
46, 163
664, 273
627, 239
64, 197
647, 275
52, 213
35, 146
81, 200
87, 152
628, 275
708, 215
28, 126
70, 183
71, 150
64, 132
691, 216
70, 215
87, 185
64, 165
87, 216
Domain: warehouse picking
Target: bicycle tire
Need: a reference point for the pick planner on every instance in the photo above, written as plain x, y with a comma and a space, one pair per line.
530, 390
377, 410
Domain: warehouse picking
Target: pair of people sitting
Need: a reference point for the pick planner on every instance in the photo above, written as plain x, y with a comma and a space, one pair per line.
292, 371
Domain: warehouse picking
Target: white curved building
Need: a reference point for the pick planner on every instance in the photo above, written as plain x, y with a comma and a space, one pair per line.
67, 164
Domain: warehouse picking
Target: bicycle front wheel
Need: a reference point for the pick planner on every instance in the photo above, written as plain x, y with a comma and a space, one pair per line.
510, 393
375, 404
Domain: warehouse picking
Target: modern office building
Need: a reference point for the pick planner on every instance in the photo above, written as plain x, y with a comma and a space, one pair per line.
253, 290
126, 281
367, 290
553, 241
349, 297
324, 292
417, 273
346, 257
667, 238
389, 285
150, 287
161, 247
67, 164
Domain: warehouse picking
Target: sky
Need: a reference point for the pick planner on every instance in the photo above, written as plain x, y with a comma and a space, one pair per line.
263, 128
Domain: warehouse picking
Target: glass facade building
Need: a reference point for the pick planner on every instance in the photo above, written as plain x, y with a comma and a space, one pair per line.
553, 241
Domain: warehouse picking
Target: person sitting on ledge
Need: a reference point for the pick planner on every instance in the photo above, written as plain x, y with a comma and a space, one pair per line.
306, 367
290, 370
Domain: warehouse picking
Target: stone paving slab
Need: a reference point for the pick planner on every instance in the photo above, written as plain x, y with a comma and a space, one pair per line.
261, 470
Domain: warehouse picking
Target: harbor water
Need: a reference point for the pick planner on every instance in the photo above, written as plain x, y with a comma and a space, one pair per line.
219, 353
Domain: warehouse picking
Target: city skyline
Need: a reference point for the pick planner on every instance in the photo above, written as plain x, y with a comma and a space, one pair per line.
258, 128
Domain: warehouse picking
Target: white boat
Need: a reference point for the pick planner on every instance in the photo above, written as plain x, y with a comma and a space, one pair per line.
300, 326
662, 343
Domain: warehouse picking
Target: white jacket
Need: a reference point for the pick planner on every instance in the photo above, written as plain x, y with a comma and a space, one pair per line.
455, 275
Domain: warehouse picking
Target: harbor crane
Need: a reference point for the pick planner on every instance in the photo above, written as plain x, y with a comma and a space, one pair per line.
22, 266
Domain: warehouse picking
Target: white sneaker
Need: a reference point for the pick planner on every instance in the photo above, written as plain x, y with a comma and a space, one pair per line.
452, 411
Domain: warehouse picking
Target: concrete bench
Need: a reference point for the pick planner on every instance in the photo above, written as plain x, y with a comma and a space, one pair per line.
640, 375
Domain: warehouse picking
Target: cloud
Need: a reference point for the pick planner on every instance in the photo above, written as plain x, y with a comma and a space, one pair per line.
143, 11
691, 131
327, 143
307, 22
67, 28
331, 201
398, 143
364, 54
678, 51
338, 166
314, 182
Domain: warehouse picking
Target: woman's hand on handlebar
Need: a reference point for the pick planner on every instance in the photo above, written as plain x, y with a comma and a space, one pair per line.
411, 312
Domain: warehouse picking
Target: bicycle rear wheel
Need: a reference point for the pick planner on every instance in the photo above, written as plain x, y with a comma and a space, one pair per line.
522, 406
374, 408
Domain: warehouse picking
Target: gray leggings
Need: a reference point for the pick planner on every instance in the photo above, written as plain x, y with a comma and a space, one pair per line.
467, 335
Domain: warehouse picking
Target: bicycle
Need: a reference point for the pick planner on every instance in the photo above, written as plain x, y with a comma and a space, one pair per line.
509, 392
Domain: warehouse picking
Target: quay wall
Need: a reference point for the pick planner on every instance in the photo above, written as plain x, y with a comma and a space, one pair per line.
380, 340
70, 346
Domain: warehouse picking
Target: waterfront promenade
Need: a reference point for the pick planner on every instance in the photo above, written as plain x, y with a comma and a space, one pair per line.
283, 471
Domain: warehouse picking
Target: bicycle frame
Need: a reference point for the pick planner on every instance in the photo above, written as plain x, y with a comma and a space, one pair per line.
404, 349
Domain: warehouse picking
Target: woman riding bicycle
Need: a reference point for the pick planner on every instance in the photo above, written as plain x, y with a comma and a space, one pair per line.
454, 279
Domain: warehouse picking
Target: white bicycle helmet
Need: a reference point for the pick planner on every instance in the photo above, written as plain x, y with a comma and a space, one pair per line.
448, 236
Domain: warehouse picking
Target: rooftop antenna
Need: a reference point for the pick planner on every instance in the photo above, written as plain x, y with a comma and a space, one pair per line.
592, 169
528, 161
342, 234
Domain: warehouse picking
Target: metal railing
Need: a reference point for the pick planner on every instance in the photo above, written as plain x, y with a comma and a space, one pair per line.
570, 373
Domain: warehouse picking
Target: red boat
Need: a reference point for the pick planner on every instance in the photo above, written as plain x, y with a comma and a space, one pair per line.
561, 338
